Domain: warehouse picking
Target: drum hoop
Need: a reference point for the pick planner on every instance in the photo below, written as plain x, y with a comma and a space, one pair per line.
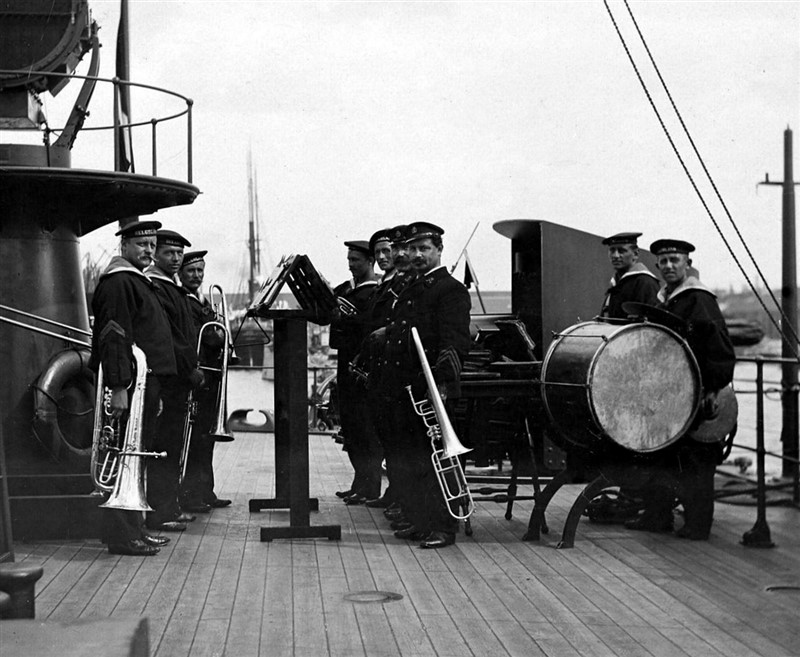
590, 375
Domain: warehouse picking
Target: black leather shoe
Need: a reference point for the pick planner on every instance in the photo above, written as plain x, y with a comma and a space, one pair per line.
393, 513
196, 508
438, 540
134, 548
155, 541
344, 493
402, 523
169, 526
185, 517
219, 503
692, 534
411, 534
650, 523
377, 503
355, 499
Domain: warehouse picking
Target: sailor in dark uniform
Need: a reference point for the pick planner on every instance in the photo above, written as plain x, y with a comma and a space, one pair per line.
162, 489
197, 494
438, 306
685, 296
348, 330
126, 312
382, 304
686, 469
632, 281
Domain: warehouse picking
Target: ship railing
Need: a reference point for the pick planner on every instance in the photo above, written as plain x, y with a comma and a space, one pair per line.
759, 535
116, 126
37, 329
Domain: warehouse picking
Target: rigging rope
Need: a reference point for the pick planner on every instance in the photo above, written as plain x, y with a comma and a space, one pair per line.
786, 322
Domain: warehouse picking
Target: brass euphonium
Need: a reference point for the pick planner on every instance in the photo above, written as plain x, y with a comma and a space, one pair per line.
221, 308
446, 445
117, 465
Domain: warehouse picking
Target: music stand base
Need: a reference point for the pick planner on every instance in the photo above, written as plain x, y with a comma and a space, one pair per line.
331, 532
279, 503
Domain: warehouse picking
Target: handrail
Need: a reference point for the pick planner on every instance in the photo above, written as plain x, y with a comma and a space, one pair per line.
45, 320
116, 123
36, 329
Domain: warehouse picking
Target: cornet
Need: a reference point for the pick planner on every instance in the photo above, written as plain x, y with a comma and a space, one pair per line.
118, 467
445, 442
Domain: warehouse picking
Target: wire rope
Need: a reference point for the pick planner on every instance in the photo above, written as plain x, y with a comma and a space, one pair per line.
791, 345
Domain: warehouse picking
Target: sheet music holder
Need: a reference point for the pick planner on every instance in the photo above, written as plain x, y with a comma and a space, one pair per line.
312, 291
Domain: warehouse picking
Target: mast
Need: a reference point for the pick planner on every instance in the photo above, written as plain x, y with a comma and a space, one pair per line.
253, 241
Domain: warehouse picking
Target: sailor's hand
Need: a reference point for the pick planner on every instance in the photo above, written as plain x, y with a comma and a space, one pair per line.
710, 405
119, 401
442, 391
196, 378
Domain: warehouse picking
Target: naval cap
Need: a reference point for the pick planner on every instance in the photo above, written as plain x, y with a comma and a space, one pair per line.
422, 229
139, 229
190, 257
398, 234
622, 238
361, 246
660, 247
171, 238
382, 235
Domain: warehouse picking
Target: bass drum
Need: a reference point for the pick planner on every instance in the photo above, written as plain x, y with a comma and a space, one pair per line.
632, 385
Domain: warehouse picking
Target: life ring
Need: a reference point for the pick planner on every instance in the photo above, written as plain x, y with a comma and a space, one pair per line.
63, 405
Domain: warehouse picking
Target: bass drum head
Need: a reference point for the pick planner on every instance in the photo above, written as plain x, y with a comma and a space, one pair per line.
645, 387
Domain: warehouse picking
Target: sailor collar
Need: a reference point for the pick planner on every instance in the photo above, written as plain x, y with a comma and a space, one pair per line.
156, 273
637, 269
690, 283
118, 265
353, 285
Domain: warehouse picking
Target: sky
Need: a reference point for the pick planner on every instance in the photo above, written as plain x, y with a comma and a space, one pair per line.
363, 115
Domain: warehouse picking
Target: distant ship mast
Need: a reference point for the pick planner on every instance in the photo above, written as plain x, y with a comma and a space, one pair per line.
254, 241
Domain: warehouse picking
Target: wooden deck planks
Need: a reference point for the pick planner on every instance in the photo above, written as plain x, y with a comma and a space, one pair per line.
218, 590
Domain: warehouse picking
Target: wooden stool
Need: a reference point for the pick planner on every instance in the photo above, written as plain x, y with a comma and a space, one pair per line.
18, 580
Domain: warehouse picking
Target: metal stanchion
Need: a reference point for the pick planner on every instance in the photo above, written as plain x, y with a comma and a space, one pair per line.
759, 535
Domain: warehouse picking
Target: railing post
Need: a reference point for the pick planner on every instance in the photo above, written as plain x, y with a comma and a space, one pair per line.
189, 103
154, 122
759, 535
115, 131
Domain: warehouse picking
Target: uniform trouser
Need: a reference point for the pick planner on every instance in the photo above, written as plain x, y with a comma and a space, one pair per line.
122, 526
697, 463
420, 495
198, 485
162, 473
385, 431
360, 440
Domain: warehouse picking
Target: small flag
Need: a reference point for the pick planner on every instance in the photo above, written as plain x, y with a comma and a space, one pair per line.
469, 273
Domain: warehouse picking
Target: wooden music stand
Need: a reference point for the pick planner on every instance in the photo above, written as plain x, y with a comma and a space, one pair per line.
291, 395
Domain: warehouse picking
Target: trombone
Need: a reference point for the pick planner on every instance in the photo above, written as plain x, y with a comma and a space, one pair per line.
446, 445
221, 308
220, 430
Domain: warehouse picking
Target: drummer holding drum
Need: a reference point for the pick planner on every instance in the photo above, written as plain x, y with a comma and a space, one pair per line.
688, 467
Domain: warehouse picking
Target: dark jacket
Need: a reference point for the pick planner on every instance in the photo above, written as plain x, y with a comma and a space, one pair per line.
705, 332
126, 311
637, 284
438, 306
173, 299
